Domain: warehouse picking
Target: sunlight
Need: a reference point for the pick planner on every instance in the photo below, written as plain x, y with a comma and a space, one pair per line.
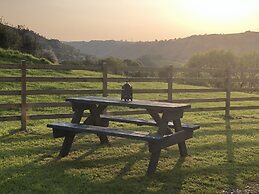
219, 11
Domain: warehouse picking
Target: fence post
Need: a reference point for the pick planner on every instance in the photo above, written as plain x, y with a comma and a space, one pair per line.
228, 91
23, 96
105, 80
170, 84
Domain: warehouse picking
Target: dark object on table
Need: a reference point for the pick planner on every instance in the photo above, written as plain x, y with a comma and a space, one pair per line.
126, 92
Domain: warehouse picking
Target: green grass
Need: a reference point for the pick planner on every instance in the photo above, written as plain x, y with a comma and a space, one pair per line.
8, 56
223, 154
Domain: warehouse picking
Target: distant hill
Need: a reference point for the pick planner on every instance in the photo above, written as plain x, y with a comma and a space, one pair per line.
28, 41
171, 51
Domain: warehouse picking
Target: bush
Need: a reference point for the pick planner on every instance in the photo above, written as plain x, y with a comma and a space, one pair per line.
49, 55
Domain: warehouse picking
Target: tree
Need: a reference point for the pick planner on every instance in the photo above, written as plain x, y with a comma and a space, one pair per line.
48, 54
217, 60
3, 38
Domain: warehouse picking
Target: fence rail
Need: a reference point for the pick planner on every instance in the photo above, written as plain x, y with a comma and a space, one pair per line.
23, 106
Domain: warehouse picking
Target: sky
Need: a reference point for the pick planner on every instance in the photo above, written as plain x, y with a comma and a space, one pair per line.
132, 20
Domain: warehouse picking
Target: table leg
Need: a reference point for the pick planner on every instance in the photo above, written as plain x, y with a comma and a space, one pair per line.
69, 137
181, 146
94, 119
153, 162
162, 123
163, 129
67, 143
103, 138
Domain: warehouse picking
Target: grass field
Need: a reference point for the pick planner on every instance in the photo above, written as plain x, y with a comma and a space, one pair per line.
223, 155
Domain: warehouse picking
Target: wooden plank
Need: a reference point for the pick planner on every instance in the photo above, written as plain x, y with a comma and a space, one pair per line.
135, 112
53, 116
131, 104
10, 92
170, 84
197, 80
228, 84
10, 118
64, 67
245, 90
245, 99
181, 144
66, 104
170, 140
10, 66
23, 97
63, 79
145, 122
141, 91
154, 158
52, 92
138, 79
10, 106
206, 109
49, 116
104, 80
198, 90
48, 104
69, 135
105, 131
194, 100
10, 79
244, 107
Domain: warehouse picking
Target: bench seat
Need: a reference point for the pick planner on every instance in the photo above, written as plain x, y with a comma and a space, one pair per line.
155, 141
145, 122
79, 128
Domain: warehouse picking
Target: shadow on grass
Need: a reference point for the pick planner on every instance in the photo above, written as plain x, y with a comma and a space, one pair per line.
97, 174
231, 175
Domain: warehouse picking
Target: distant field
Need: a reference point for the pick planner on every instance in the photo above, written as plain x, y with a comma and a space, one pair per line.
223, 155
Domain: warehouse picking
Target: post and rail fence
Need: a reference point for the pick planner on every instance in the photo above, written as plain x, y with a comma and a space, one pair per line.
174, 75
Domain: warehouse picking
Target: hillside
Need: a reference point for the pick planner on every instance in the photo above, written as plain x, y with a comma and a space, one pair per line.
177, 50
13, 56
28, 41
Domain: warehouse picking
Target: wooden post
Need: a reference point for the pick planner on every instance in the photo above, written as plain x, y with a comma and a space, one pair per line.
170, 84
105, 81
23, 96
228, 91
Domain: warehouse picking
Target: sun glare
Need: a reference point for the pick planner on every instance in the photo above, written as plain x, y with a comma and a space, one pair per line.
220, 10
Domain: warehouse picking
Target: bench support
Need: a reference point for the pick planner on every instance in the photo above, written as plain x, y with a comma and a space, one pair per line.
181, 145
94, 119
67, 143
69, 136
153, 162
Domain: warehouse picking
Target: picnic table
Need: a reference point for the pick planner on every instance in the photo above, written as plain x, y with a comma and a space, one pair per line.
166, 116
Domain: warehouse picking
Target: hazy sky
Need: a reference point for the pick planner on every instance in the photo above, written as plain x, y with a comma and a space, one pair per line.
131, 19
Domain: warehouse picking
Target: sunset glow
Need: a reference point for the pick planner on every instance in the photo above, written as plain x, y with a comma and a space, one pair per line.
221, 10
131, 20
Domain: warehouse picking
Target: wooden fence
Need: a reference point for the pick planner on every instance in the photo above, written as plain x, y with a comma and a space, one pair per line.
174, 75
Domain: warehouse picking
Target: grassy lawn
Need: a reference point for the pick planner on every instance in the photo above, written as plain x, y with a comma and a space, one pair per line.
223, 155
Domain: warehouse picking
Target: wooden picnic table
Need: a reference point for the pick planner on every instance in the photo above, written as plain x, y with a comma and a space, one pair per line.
165, 117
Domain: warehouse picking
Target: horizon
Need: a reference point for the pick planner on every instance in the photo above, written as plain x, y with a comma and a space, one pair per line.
248, 31
132, 21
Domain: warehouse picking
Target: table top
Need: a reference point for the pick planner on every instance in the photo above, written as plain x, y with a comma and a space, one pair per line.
131, 104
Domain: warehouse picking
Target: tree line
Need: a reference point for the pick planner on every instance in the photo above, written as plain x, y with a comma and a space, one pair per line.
24, 40
220, 61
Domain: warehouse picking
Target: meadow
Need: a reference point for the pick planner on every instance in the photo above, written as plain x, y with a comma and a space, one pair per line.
223, 155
